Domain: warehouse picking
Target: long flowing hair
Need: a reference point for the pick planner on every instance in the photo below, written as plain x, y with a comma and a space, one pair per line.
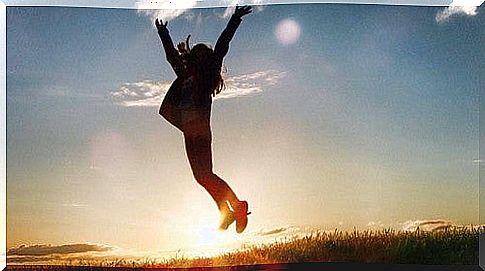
209, 76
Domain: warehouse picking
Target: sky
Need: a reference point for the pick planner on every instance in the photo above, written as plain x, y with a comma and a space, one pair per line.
334, 116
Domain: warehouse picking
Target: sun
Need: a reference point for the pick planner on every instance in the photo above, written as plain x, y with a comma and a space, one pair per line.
208, 240
208, 236
197, 223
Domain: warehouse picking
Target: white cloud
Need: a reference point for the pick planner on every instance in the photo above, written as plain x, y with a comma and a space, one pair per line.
75, 205
477, 161
150, 92
168, 10
164, 9
81, 253
143, 93
434, 225
43, 250
231, 6
275, 231
247, 84
281, 233
458, 7
376, 225
425, 225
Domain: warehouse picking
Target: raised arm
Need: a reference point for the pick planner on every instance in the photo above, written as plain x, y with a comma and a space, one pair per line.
222, 45
171, 53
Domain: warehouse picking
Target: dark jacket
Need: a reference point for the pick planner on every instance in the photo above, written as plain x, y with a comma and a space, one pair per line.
202, 95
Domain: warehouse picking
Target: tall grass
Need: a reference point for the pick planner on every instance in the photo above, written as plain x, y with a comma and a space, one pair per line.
448, 246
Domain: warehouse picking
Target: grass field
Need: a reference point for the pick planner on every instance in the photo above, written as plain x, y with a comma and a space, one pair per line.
448, 246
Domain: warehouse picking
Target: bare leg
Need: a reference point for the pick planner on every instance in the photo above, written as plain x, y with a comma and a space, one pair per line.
198, 139
199, 153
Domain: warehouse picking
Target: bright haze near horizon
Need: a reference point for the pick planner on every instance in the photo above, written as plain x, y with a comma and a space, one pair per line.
335, 116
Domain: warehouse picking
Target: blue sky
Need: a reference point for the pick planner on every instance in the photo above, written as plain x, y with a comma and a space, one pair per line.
367, 116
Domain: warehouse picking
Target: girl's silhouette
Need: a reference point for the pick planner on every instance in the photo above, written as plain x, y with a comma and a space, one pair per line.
187, 106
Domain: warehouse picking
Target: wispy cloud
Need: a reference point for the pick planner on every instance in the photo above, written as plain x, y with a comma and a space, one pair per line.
247, 84
433, 225
426, 225
150, 93
169, 10
458, 8
76, 253
265, 234
74, 205
43, 250
231, 6
143, 93
164, 9
79, 253
376, 225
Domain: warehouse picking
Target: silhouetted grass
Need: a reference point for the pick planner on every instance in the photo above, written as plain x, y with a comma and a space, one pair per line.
448, 246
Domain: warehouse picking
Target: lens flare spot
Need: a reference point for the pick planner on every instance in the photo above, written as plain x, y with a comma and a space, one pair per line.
287, 32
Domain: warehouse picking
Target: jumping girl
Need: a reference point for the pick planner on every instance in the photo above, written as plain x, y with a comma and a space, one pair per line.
187, 106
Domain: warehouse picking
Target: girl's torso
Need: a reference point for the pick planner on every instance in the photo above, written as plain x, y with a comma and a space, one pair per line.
195, 92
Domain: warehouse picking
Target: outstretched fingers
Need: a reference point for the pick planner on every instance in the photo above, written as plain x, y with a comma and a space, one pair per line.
241, 11
160, 25
181, 46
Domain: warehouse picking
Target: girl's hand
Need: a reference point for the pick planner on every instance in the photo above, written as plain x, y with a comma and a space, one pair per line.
241, 11
160, 25
183, 47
